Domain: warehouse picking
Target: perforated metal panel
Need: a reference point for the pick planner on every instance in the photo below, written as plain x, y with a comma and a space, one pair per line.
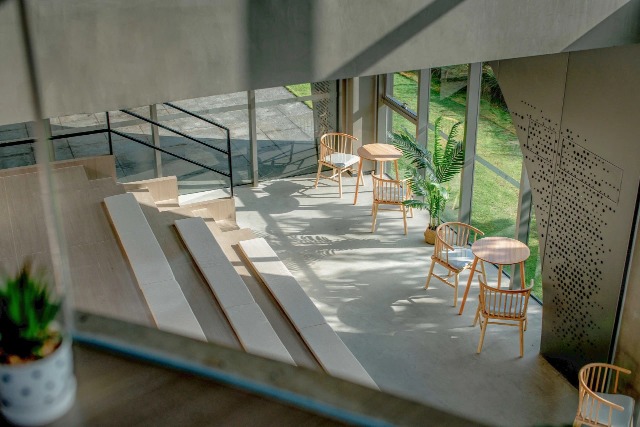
575, 194
325, 113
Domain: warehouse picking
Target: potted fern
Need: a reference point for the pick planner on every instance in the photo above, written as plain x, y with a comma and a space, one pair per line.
439, 168
37, 384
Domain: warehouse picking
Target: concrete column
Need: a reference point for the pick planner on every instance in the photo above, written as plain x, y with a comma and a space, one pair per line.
253, 137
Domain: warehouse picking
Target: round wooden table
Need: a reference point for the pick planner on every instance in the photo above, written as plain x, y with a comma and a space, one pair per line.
378, 153
500, 251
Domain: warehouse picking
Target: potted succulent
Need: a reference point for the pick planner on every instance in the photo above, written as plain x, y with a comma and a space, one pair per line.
37, 384
439, 168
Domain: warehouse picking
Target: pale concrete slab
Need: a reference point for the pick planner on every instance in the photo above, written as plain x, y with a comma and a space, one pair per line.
256, 334
284, 287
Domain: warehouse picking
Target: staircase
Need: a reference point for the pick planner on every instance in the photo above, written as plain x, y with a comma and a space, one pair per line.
139, 255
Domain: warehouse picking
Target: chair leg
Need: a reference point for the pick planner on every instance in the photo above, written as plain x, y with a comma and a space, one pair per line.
521, 338
433, 264
374, 213
404, 218
525, 324
455, 292
340, 182
475, 319
318, 175
483, 327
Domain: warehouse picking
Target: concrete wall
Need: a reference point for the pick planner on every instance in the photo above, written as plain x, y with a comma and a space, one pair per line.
96, 55
628, 348
576, 115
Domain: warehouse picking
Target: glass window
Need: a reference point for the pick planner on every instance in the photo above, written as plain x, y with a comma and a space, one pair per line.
498, 164
286, 132
16, 155
448, 99
405, 89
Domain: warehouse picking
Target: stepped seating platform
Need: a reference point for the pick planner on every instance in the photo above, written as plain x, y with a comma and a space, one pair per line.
247, 319
163, 294
101, 280
143, 258
332, 354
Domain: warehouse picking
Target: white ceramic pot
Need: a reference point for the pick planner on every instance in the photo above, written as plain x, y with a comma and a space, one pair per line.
38, 392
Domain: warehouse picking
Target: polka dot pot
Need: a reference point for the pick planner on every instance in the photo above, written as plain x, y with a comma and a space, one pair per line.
38, 392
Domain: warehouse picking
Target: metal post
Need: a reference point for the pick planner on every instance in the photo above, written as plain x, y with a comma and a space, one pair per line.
383, 111
155, 136
109, 133
470, 139
523, 221
253, 137
230, 162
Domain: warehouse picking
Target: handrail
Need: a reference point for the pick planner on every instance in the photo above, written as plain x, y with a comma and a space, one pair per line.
124, 135
109, 131
211, 122
192, 114
177, 132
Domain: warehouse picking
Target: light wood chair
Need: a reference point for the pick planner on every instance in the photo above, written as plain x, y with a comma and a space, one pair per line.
599, 403
452, 252
390, 192
336, 152
502, 307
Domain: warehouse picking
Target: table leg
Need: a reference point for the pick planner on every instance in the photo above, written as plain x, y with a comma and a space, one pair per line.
355, 199
397, 173
466, 291
522, 278
499, 275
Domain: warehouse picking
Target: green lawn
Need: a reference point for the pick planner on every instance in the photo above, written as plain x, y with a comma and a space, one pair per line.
495, 200
303, 89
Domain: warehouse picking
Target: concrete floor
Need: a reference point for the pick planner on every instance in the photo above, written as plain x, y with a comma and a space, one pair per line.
411, 341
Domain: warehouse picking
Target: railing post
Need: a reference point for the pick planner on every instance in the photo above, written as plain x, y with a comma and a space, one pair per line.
109, 133
155, 136
230, 162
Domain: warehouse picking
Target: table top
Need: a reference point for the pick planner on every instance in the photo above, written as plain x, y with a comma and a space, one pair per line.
379, 152
500, 250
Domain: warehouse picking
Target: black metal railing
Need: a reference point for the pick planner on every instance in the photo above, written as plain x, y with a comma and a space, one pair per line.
191, 138
108, 130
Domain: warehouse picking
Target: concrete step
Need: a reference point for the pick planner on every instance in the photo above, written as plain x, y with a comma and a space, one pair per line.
163, 294
254, 331
332, 354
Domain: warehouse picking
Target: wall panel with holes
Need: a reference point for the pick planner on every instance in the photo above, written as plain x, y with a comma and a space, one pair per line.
577, 120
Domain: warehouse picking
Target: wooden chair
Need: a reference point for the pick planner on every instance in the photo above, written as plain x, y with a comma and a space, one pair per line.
336, 152
599, 403
390, 192
502, 307
452, 252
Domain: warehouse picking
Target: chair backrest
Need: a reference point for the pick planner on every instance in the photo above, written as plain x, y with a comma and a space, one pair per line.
389, 190
336, 142
507, 304
597, 378
450, 235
